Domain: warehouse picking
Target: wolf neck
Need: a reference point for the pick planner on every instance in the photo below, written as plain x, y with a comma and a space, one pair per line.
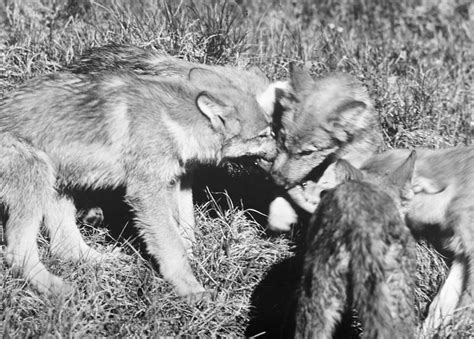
194, 144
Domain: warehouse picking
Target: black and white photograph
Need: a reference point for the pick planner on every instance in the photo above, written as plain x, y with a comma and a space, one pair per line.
237, 168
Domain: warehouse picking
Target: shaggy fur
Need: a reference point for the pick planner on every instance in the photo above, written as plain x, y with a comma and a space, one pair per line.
107, 131
359, 254
322, 120
441, 211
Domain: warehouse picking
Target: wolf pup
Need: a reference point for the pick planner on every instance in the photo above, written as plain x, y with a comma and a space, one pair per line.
440, 211
324, 119
110, 130
148, 63
360, 255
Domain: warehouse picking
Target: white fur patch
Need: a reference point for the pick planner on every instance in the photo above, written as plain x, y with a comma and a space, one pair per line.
267, 99
445, 302
281, 215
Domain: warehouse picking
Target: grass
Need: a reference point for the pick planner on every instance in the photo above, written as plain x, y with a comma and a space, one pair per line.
125, 297
414, 56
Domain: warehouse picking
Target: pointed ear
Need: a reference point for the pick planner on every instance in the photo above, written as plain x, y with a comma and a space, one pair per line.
345, 171
349, 117
213, 109
300, 79
403, 175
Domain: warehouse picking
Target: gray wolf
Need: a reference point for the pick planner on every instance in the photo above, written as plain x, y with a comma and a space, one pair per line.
440, 211
109, 130
250, 82
322, 120
359, 255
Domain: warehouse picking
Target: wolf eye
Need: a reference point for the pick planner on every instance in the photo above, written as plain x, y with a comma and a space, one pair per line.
322, 194
306, 152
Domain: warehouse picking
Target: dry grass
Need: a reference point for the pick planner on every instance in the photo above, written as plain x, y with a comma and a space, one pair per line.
124, 296
414, 56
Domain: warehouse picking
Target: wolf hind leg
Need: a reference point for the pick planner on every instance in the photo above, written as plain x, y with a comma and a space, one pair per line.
66, 240
27, 186
22, 252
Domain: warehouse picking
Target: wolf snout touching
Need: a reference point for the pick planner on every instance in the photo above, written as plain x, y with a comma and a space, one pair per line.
261, 147
108, 130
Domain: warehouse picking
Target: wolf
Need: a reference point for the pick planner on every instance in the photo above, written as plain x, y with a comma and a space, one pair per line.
360, 255
441, 211
151, 63
321, 121
114, 130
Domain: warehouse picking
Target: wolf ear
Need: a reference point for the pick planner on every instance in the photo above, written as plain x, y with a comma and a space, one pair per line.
348, 118
213, 109
345, 171
300, 79
404, 173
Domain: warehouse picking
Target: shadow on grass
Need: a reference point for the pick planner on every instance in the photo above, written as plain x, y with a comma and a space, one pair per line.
247, 186
274, 300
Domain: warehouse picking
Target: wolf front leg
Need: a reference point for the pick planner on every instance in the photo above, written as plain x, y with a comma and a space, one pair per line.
155, 205
466, 230
26, 191
456, 296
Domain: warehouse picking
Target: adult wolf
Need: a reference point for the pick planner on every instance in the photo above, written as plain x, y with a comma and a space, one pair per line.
360, 255
110, 130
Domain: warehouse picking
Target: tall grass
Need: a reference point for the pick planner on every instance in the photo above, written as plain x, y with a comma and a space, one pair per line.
414, 56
